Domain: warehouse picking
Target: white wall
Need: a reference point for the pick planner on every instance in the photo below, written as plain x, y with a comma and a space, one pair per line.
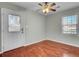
34, 26
54, 28
0, 31
11, 6
34, 21
9, 40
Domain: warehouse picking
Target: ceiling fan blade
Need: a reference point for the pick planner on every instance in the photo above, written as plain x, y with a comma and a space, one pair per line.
46, 3
53, 4
40, 4
53, 9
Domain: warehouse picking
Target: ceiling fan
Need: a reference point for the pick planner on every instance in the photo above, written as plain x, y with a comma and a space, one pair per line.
47, 7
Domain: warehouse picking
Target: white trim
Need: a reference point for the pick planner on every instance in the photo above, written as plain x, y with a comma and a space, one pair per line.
23, 45
11, 49
75, 45
34, 42
43, 40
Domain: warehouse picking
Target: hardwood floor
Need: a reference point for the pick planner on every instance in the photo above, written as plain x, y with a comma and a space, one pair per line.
44, 48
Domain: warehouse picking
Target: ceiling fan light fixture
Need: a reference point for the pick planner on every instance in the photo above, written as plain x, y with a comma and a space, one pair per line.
48, 7
45, 10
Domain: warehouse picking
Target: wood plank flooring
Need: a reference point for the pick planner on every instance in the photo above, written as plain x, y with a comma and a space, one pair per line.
44, 48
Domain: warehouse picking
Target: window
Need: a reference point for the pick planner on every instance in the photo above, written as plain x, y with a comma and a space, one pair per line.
14, 23
69, 24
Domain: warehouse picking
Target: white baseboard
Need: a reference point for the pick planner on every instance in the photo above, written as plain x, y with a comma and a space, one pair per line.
11, 49
33, 42
42, 40
75, 45
23, 45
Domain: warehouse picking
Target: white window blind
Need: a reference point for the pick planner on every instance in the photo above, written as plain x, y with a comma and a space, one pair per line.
69, 24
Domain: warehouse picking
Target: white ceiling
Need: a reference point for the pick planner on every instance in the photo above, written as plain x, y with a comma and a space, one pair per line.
35, 7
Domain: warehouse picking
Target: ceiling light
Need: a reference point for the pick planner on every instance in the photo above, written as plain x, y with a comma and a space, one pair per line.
47, 7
